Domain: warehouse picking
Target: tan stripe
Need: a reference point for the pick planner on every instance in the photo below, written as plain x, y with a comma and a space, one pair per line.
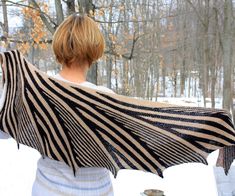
120, 139
84, 143
7, 113
44, 128
113, 134
42, 149
168, 157
33, 123
24, 118
55, 120
112, 124
163, 105
153, 129
209, 146
206, 118
13, 90
184, 151
144, 136
131, 118
82, 124
50, 142
125, 154
122, 161
87, 144
151, 132
194, 125
144, 124
202, 135
100, 144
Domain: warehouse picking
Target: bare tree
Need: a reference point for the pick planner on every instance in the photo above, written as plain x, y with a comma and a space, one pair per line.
4, 25
151, 45
227, 53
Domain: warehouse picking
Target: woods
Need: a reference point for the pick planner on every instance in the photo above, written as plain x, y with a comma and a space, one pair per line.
153, 48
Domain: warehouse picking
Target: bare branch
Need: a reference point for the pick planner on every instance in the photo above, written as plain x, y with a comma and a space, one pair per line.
2, 38
44, 16
133, 45
123, 21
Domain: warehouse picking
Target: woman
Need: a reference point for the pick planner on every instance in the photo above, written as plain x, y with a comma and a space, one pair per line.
77, 43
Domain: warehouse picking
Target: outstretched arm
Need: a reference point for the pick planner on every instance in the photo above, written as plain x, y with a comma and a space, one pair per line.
3, 135
88, 128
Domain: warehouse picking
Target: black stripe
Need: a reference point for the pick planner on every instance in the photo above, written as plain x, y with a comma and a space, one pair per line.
48, 115
93, 125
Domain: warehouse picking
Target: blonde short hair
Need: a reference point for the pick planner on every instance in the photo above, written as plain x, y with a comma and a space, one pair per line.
78, 38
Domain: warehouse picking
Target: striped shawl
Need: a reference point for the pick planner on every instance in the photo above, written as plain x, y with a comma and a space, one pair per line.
87, 128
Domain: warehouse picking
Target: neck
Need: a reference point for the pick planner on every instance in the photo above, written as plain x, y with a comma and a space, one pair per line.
75, 72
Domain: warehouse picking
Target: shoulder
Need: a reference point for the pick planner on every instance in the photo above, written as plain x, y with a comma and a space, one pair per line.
95, 87
87, 84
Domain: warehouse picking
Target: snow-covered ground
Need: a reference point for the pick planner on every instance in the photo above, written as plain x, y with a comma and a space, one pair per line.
17, 173
18, 167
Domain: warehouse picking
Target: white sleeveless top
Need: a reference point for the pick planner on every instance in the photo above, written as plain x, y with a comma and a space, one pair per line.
56, 178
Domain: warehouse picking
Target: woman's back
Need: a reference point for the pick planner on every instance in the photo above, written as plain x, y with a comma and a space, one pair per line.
55, 178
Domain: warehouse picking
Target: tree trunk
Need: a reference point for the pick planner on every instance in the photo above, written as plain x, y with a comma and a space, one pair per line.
125, 85
109, 64
213, 68
92, 74
158, 43
184, 50
189, 85
116, 75
227, 44
86, 6
70, 6
206, 53
138, 81
148, 88
164, 80
5, 26
59, 12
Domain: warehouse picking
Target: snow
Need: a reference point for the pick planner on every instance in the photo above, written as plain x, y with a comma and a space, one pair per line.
18, 168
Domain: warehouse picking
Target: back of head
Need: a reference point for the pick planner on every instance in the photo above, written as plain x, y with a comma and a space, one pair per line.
78, 39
